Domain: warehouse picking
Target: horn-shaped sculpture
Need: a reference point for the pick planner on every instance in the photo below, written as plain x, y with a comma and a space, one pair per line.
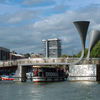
82, 27
94, 38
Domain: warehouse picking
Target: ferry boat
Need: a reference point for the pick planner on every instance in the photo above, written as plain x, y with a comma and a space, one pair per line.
6, 77
48, 73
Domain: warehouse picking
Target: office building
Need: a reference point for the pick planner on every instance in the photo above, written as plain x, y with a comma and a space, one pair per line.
52, 48
4, 53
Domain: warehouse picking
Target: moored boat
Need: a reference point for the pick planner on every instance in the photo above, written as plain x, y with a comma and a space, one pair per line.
48, 73
6, 77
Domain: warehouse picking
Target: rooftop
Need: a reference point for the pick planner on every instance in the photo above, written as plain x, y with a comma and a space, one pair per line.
51, 39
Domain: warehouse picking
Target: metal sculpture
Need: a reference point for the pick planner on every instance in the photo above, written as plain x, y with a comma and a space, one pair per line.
82, 27
94, 38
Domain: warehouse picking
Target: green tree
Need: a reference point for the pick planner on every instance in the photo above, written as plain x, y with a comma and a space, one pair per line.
64, 56
95, 52
85, 55
27, 55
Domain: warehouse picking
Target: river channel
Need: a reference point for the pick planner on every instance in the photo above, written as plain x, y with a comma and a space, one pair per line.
49, 91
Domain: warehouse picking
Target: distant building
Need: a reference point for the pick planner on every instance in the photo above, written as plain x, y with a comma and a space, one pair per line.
4, 53
52, 48
38, 55
16, 56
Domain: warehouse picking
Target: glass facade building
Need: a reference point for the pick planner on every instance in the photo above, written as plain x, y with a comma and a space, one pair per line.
52, 48
4, 53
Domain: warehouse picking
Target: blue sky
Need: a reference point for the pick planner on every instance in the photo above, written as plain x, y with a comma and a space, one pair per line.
24, 23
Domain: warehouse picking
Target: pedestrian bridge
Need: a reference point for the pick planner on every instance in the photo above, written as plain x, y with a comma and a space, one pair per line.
47, 61
20, 67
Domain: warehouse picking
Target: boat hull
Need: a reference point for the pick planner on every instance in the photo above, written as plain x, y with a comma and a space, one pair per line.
6, 78
47, 79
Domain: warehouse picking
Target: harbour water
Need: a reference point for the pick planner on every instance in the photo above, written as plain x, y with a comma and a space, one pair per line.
50, 91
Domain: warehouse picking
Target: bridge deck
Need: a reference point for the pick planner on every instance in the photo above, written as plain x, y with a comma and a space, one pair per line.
49, 61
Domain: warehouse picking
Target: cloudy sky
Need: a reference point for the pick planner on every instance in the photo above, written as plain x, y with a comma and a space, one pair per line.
25, 23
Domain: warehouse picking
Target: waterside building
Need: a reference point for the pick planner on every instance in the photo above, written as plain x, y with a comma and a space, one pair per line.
4, 53
52, 48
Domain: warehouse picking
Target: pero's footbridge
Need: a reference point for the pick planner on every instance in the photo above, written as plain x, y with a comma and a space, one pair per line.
21, 67
47, 61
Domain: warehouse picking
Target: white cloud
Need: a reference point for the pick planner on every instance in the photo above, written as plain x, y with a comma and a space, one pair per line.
58, 25
20, 16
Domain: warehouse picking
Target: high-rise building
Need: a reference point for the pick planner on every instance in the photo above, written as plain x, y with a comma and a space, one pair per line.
52, 48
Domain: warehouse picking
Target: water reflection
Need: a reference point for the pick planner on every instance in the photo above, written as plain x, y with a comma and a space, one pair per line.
88, 83
50, 91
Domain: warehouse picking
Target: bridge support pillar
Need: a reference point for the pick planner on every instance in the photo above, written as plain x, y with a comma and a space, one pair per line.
98, 73
87, 72
20, 74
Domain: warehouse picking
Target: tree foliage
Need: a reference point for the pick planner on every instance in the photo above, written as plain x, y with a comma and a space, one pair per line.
85, 55
95, 53
64, 56
27, 55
